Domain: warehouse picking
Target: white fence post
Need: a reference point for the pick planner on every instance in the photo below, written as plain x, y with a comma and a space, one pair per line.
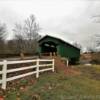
67, 62
37, 68
4, 74
53, 65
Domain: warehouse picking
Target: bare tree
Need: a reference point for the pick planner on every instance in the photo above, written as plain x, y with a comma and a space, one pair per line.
2, 31
96, 19
97, 39
77, 45
27, 34
31, 28
19, 38
2, 37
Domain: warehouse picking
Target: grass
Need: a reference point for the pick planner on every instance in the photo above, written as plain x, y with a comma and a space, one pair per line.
57, 86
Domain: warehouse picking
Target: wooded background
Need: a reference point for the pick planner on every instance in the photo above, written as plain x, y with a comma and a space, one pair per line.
25, 37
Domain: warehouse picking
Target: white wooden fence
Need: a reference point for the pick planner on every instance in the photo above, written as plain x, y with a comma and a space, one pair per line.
4, 70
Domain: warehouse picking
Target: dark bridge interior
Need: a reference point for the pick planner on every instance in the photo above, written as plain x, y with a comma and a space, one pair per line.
49, 47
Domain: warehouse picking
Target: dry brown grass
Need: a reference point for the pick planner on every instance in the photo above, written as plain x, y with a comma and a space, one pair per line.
91, 57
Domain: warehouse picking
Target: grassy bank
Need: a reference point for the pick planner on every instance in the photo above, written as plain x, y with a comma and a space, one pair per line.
57, 86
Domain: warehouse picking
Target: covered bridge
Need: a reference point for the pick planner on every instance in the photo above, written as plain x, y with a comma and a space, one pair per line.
49, 44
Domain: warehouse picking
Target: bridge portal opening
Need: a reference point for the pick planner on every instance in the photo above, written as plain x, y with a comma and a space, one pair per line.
49, 47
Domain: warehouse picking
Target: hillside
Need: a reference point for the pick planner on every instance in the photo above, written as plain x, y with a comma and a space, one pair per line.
58, 86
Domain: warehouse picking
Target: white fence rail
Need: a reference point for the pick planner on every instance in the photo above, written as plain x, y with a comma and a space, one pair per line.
5, 70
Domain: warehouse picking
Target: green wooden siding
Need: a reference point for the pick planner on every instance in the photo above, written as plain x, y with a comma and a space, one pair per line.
69, 52
58, 49
63, 49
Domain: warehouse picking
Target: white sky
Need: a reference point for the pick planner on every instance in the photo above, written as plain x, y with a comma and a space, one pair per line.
69, 19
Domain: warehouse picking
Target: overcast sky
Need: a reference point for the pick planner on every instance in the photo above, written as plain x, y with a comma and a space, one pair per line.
69, 19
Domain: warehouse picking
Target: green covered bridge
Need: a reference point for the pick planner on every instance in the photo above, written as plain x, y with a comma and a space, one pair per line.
49, 44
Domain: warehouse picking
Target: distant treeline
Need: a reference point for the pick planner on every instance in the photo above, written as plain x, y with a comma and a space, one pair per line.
25, 37
17, 55
91, 57
13, 48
